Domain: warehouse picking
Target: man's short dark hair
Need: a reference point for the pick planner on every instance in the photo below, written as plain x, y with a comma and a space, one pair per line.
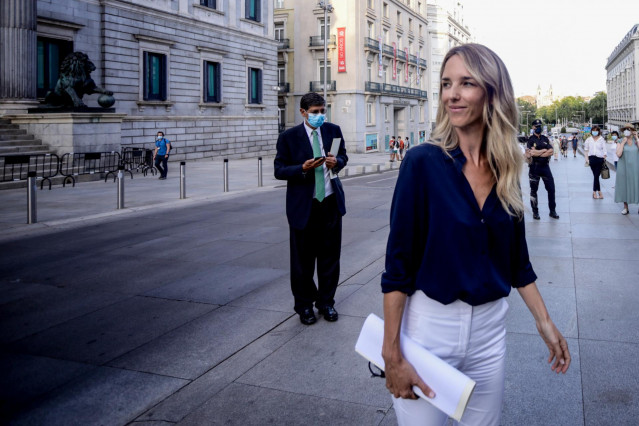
160, 131
614, 132
311, 99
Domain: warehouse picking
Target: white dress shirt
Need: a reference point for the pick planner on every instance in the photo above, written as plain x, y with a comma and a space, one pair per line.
328, 189
596, 147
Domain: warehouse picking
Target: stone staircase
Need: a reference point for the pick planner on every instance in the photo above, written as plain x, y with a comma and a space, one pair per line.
14, 140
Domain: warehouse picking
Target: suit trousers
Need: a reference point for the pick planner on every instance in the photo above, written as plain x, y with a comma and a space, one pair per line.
320, 241
471, 339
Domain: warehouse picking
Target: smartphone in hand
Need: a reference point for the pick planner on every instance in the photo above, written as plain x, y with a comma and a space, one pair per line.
319, 158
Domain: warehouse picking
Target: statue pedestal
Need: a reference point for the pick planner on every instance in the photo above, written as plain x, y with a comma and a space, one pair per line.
74, 131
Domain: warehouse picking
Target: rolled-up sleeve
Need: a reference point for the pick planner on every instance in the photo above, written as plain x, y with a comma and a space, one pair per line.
408, 227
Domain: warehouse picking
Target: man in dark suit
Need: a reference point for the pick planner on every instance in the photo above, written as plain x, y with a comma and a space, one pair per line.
314, 207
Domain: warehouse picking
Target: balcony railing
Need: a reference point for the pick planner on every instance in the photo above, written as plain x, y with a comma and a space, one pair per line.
392, 89
387, 50
422, 62
371, 43
283, 43
412, 59
401, 54
318, 41
283, 87
318, 86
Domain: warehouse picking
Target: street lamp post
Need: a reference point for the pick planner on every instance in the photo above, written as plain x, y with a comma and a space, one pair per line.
527, 112
327, 8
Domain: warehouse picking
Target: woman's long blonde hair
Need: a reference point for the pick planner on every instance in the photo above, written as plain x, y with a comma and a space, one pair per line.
500, 116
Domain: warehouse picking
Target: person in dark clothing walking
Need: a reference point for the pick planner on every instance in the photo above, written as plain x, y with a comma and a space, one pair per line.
539, 150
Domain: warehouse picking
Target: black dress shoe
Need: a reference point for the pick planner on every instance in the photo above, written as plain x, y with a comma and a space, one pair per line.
307, 316
554, 215
536, 215
329, 312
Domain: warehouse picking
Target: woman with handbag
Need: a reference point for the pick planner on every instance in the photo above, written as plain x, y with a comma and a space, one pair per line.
457, 244
595, 147
627, 179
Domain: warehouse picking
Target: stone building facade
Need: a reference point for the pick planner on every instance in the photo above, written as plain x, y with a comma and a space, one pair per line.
622, 81
376, 67
202, 71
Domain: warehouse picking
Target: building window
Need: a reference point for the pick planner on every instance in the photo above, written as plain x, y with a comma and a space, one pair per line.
253, 10
386, 116
410, 48
209, 3
421, 113
279, 4
321, 71
329, 110
279, 31
386, 74
255, 86
281, 75
410, 24
410, 112
212, 80
419, 7
371, 4
385, 10
420, 30
154, 76
369, 71
324, 27
369, 113
399, 18
386, 38
371, 29
51, 53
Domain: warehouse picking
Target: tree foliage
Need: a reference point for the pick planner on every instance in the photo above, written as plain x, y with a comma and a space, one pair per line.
596, 108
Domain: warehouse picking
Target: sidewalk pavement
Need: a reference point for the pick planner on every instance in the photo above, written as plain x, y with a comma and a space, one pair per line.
98, 199
182, 313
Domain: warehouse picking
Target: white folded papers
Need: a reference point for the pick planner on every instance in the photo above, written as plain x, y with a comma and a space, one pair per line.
452, 387
334, 150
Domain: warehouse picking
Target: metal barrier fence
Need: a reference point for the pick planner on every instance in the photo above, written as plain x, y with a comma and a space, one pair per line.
138, 159
88, 163
17, 167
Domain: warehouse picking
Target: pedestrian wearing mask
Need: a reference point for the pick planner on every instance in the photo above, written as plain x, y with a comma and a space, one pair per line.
611, 147
391, 147
161, 154
539, 150
457, 245
574, 145
595, 147
627, 179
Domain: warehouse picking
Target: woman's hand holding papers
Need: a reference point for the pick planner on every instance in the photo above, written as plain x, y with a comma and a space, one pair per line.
400, 374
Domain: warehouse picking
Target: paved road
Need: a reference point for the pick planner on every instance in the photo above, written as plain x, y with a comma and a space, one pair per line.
183, 314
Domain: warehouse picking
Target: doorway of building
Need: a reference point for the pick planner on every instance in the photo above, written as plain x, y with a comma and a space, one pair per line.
399, 122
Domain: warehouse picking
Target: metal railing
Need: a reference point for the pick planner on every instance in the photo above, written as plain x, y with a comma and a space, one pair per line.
387, 50
283, 43
371, 43
17, 167
318, 86
318, 41
371, 86
283, 87
138, 159
89, 163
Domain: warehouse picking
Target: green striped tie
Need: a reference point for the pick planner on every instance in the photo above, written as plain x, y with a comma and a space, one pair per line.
319, 171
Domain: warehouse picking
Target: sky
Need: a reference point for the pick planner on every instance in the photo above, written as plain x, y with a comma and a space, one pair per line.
565, 43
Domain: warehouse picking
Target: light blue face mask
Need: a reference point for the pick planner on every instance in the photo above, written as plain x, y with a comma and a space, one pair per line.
316, 120
595, 133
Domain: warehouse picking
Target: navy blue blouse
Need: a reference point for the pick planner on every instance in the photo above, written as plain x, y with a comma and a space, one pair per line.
440, 242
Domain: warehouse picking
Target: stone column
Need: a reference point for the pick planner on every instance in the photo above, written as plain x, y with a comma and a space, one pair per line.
18, 54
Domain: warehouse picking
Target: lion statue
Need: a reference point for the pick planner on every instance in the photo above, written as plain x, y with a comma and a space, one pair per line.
75, 81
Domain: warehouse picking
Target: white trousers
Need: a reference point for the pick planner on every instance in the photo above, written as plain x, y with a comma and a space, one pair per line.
471, 339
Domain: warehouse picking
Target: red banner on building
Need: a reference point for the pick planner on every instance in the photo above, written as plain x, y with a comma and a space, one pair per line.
406, 71
394, 61
341, 49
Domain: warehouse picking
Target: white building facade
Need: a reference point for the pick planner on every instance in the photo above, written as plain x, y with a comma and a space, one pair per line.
446, 30
202, 71
622, 81
376, 67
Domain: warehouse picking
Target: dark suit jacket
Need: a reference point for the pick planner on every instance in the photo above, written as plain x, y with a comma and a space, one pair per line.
293, 149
